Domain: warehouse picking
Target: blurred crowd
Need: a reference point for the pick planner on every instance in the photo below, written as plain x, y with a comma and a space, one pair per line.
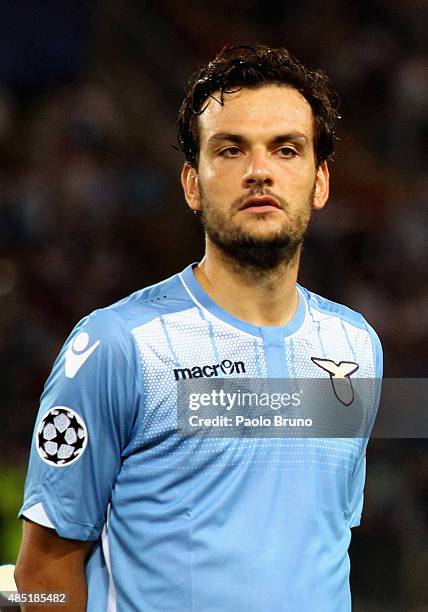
91, 209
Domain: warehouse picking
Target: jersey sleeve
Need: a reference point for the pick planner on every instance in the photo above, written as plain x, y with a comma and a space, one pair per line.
359, 474
83, 427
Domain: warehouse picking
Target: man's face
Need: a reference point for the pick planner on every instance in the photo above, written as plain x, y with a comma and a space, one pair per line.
257, 181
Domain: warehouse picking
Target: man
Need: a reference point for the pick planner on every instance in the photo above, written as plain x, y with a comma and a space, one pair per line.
124, 512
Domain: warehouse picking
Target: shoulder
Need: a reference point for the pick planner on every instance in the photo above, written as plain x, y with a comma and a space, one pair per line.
115, 322
329, 308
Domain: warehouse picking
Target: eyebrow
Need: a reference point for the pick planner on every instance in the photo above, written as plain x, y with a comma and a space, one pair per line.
238, 139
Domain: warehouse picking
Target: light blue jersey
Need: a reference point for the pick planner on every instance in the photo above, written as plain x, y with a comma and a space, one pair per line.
194, 524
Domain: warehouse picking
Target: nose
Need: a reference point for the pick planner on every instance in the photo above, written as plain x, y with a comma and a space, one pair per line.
258, 173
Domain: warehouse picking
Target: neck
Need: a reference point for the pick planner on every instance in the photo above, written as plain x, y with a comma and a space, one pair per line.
260, 298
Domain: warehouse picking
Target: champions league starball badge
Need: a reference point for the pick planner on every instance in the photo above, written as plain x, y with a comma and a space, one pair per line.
61, 437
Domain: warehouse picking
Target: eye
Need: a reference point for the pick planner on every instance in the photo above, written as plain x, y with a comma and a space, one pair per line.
287, 152
230, 152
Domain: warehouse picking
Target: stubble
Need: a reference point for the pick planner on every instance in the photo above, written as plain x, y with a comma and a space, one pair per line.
247, 251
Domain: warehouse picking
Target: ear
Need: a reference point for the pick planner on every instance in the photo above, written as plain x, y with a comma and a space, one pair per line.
189, 182
322, 186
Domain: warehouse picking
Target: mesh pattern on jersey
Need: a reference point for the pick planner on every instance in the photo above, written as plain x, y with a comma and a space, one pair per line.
185, 340
327, 336
330, 337
195, 338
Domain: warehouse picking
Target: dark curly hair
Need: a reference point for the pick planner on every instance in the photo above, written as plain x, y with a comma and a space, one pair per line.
251, 67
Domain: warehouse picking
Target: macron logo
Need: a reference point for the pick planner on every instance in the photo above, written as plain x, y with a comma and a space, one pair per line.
77, 353
340, 377
226, 367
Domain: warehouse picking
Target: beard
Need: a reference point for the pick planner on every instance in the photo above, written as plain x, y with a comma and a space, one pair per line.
250, 253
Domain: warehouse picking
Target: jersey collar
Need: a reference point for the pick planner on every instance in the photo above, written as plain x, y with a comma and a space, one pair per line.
203, 300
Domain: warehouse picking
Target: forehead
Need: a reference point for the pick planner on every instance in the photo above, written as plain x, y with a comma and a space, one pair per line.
265, 111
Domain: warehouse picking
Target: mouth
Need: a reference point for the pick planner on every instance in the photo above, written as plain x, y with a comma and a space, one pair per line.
260, 204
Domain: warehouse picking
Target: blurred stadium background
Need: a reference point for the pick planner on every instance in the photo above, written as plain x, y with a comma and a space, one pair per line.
91, 208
